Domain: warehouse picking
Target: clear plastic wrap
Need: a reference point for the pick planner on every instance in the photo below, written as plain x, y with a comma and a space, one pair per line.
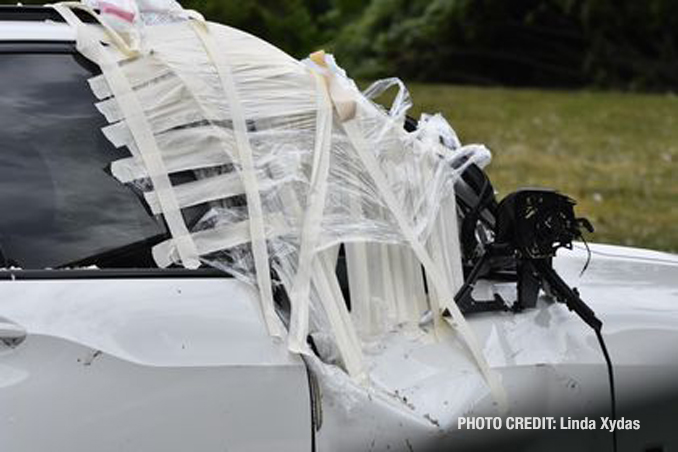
286, 161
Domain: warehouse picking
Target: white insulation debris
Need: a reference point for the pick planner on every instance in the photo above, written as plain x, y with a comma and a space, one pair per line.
288, 162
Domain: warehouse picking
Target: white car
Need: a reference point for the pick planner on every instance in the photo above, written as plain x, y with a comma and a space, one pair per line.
100, 350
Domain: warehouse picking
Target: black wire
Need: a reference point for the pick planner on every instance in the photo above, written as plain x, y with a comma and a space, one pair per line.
610, 375
588, 255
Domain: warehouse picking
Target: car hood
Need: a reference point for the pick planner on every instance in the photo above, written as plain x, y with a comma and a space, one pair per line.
549, 360
625, 286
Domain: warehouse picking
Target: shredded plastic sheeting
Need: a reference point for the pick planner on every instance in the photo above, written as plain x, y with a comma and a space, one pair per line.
287, 160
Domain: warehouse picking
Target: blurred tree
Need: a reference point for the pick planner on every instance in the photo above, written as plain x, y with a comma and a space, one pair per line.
289, 24
479, 41
632, 44
607, 43
626, 44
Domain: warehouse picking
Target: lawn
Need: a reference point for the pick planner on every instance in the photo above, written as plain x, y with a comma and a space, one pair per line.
617, 154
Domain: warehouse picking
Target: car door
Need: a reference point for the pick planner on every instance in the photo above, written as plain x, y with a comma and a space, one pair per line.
99, 350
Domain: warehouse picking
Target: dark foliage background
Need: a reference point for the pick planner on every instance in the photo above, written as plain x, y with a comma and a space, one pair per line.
620, 44
627, 44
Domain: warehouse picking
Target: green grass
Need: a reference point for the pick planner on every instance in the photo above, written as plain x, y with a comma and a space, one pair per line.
616, 153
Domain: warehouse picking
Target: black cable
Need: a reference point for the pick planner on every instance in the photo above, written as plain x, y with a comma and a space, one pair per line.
588, 255
610, 375
571, 298
535, 223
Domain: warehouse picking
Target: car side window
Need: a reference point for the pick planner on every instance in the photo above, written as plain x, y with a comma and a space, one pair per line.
59, 205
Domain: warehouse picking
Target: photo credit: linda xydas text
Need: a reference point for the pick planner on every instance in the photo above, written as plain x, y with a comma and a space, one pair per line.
546, 423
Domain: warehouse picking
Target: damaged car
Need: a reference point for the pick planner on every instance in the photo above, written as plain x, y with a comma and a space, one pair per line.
208, 244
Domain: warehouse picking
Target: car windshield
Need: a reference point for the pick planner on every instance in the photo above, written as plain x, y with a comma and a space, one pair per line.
58, 203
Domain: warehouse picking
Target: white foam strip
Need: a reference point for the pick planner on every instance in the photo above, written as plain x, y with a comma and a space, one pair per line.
435, 247
186, 149
301, 285
404, 306
255, 211
141, 71
323, 275
352, 128
358, 275
325, 281
200, 191
450, 241
167, 103
109, 108
444, 246
415, 275
217, 239
90, 47
414, 301
356, 269
99, 87
118, 134
385, 265
213, 188
128, 170
357, 263
160, 81
411, 297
